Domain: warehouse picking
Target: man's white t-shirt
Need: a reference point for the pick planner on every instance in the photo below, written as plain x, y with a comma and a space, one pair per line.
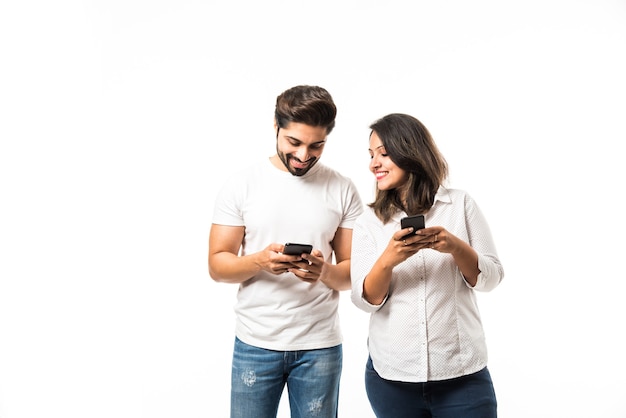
281, 312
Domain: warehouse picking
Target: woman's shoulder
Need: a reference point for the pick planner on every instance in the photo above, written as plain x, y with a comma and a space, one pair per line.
368, 215
450, 193
370, 219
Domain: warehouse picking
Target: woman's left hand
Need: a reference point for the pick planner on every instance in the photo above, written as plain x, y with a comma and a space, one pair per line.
434, 237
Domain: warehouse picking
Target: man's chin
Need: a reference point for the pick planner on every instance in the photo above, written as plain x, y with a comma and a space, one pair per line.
298, 171
301, 171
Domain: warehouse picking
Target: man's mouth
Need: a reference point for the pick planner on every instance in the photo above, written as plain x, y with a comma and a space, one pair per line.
299, 164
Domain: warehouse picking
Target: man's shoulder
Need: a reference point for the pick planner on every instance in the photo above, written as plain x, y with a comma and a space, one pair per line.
252, 171
332, 173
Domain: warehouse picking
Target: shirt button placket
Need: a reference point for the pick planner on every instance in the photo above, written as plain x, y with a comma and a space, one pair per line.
423, 331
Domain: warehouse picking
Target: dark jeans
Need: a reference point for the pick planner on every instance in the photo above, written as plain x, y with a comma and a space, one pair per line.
470, 396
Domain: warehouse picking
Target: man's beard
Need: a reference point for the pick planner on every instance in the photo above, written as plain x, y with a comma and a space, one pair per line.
295, 171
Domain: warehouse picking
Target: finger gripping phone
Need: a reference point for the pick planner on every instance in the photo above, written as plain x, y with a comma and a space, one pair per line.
292, 248
416, 221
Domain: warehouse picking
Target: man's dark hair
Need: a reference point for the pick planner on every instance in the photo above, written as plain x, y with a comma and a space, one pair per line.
310, 105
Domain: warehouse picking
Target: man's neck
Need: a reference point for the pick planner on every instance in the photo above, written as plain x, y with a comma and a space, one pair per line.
278, 163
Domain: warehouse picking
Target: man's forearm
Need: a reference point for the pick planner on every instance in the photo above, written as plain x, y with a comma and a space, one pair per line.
230, 268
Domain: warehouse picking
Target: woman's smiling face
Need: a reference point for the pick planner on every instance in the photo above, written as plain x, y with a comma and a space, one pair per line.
388, 175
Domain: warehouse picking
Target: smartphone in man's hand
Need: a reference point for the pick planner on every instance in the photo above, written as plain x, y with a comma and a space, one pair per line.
292, 248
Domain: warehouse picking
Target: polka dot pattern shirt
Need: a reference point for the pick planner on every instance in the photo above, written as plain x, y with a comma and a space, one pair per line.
428, 327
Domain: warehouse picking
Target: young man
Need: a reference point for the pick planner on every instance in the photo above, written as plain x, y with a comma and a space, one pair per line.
287, 325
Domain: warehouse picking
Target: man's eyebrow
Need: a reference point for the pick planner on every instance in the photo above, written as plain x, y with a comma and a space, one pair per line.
323, 141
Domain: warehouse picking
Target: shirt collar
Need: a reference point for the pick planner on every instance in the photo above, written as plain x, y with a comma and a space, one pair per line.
442, 195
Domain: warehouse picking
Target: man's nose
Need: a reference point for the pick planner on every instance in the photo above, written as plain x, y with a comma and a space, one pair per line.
302, 154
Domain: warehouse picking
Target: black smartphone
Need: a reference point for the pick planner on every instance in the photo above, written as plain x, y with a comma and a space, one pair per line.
416, 221
297, 249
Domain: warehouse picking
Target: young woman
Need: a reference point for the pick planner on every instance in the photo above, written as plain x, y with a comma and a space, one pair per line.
427, 350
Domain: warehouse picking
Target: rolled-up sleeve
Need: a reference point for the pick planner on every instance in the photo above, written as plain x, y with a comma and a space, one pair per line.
481, 240
364, 255
490, 275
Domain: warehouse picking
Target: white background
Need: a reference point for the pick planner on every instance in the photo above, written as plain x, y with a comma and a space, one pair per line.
119, 120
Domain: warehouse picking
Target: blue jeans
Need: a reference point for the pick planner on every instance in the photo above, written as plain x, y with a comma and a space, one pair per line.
470, 396
259, 377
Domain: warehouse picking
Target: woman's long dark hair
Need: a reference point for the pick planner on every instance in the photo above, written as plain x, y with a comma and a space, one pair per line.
411, 147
